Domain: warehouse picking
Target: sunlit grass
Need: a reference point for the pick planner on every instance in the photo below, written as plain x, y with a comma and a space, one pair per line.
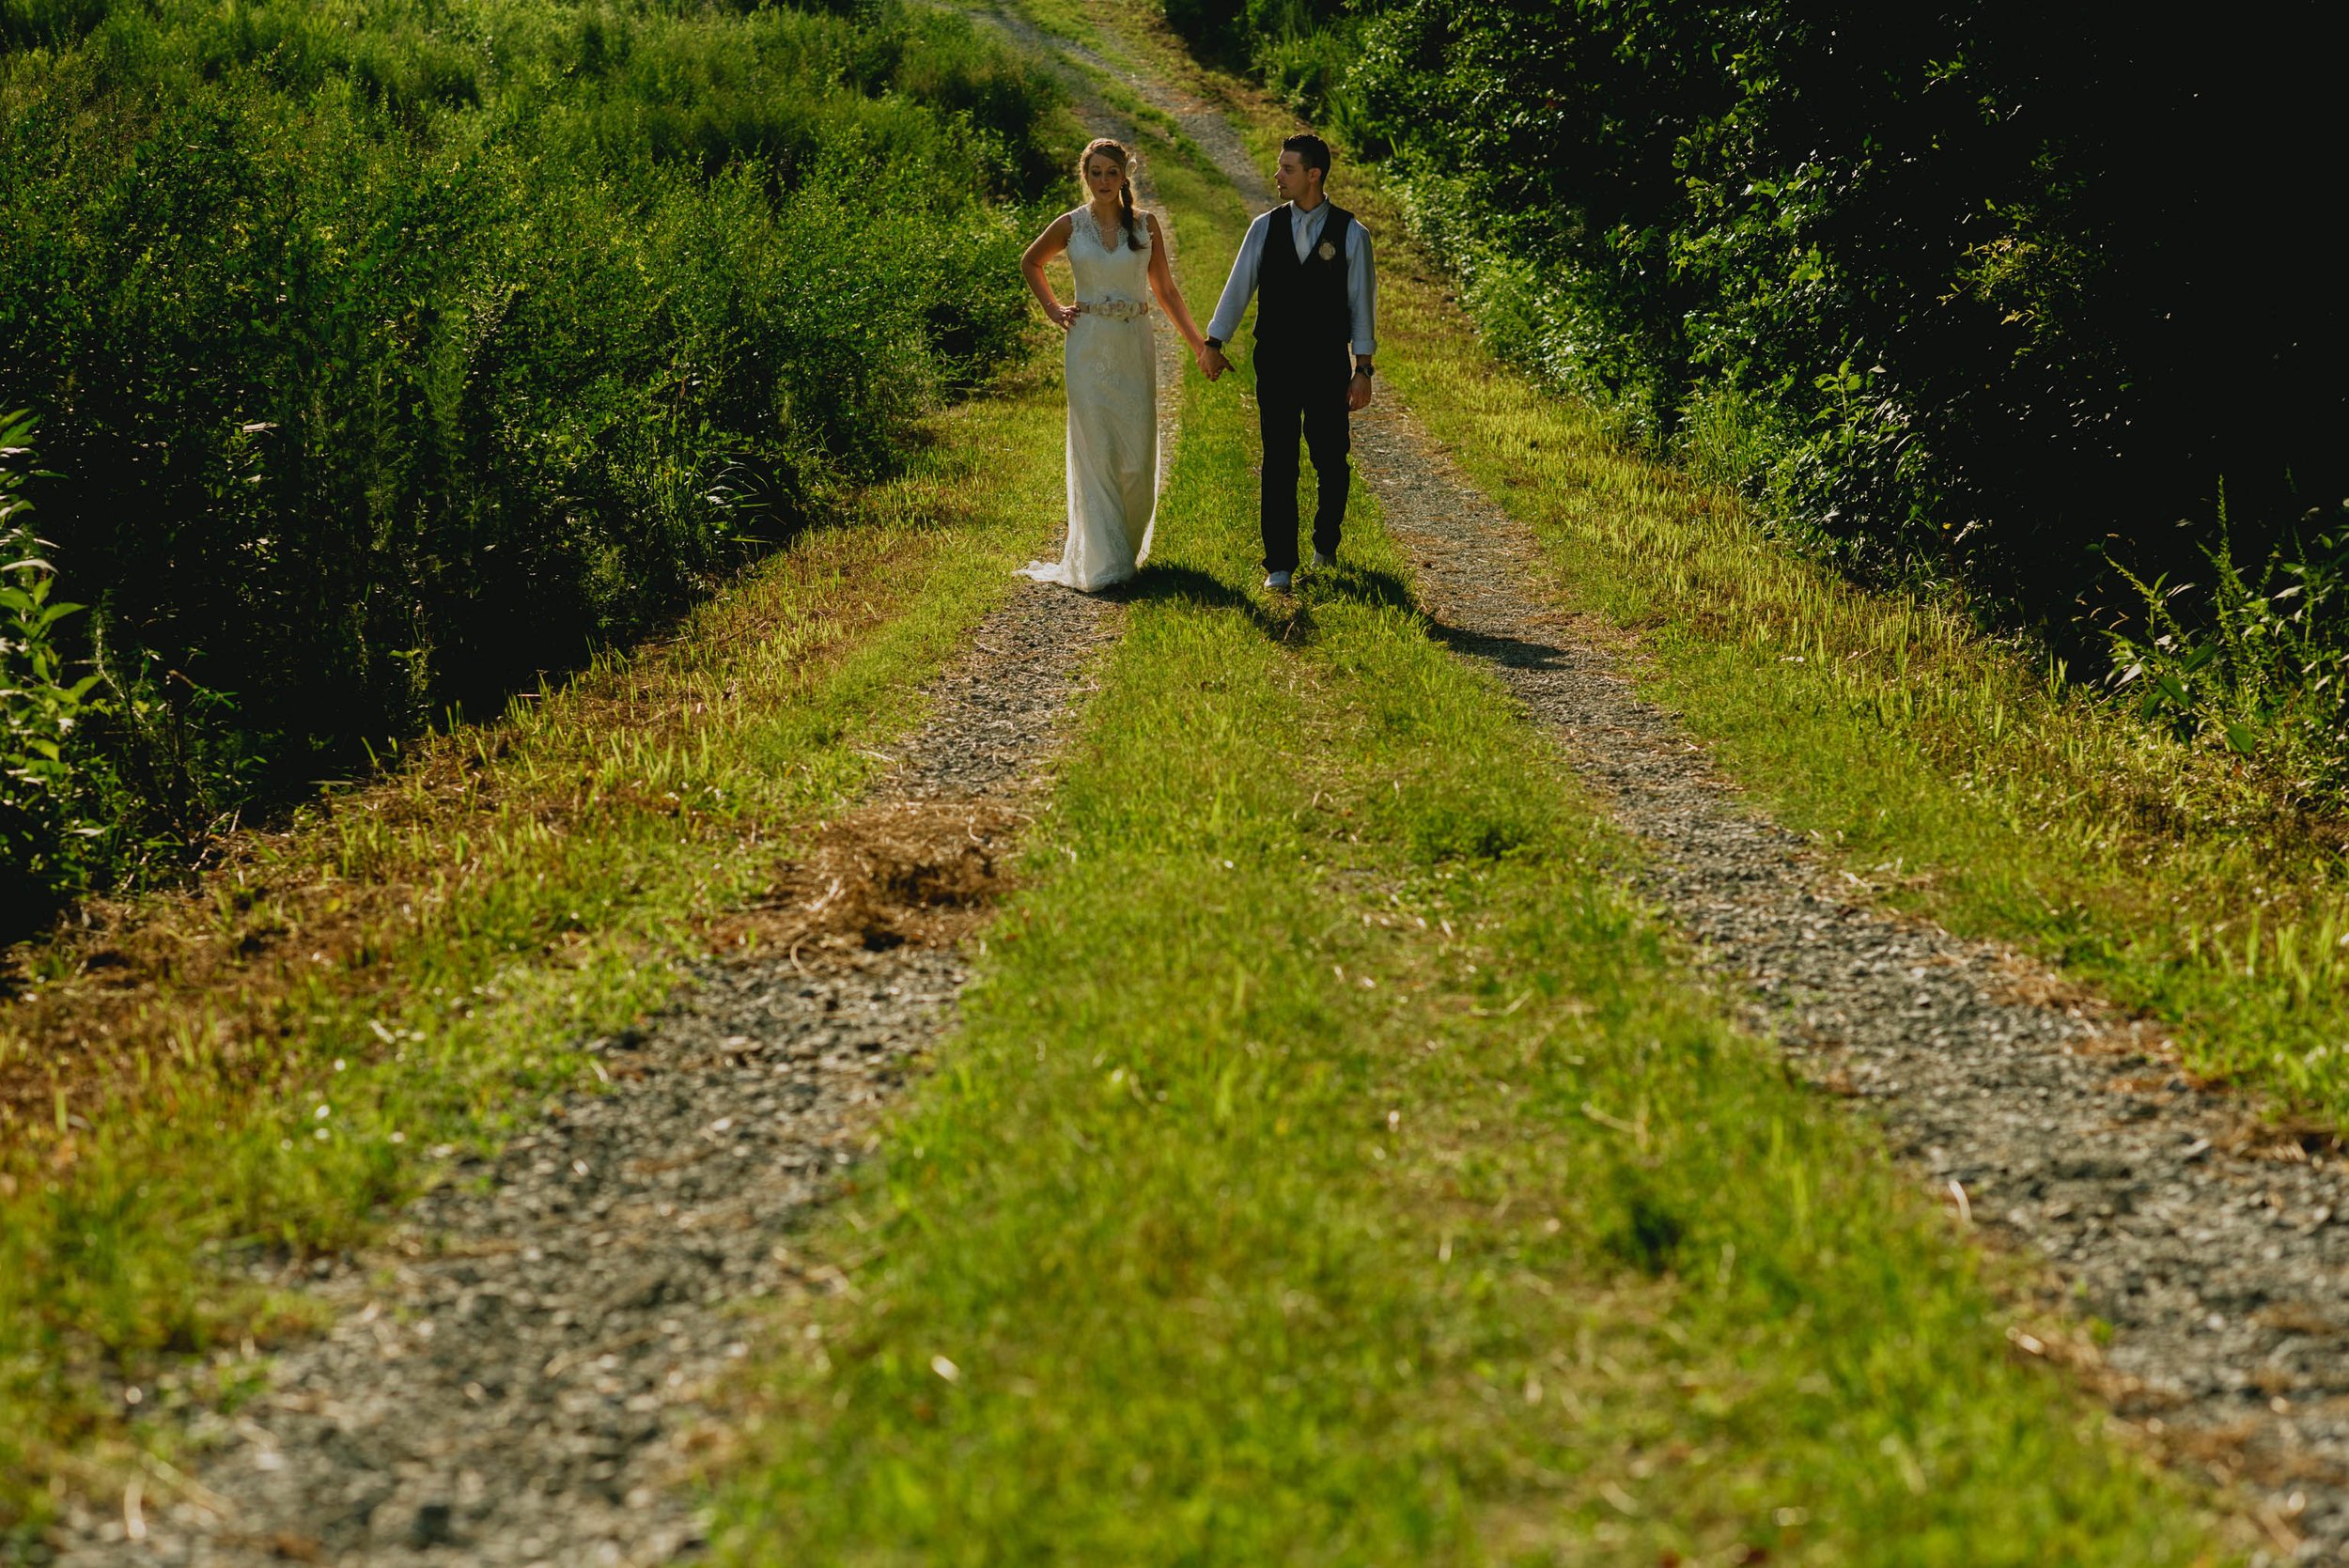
1074, 20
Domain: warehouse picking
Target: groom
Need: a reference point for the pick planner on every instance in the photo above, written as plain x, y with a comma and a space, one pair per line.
1308, 263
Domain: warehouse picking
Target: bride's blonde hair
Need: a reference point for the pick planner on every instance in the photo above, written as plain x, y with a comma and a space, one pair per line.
1115, 150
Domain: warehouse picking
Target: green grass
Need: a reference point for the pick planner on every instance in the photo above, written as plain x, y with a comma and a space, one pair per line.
269, 1060
1337, 1166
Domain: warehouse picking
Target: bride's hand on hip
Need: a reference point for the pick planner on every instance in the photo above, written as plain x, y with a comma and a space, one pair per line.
1063, 317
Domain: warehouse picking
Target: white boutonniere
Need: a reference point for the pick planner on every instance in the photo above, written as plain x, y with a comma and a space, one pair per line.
1328, 252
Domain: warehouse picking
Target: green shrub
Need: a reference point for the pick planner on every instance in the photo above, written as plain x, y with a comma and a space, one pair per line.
1244, 32
396, 352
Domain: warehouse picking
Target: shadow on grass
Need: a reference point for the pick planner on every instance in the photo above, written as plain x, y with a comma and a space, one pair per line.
1385, 590
1289, 618
1286, 622
1365, 585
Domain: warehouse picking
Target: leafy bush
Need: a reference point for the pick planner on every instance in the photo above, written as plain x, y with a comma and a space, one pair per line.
44, 832
1988, 295
397, 351
1240, 31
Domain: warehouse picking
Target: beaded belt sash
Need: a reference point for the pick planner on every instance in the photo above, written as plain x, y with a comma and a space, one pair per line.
1115, 310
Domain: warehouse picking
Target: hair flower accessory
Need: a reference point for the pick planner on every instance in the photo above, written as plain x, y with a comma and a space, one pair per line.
1328, 251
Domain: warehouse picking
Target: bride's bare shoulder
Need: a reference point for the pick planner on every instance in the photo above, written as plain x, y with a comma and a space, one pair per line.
1053, 240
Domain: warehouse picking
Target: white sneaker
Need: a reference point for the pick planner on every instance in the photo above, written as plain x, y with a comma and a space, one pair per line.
1323, 559
1278, 581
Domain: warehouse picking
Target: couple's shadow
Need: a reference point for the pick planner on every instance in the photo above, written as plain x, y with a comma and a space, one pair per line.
1288, 619
1291, 620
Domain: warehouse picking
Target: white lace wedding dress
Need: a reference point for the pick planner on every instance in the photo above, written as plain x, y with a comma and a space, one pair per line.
1113, 376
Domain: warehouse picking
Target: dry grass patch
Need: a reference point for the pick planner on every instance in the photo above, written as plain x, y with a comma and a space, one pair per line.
910, 872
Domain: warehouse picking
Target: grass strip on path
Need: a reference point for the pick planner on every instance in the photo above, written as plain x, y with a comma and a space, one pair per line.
1954, 775
1335, 1167
265, 1062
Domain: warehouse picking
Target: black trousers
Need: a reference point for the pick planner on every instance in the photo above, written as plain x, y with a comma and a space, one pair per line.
1317, 405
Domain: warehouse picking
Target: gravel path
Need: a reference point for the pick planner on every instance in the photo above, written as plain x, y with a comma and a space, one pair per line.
1200, 120
2207, 1238
525, 1371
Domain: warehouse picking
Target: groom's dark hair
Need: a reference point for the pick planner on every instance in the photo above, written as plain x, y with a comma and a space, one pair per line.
1312, 151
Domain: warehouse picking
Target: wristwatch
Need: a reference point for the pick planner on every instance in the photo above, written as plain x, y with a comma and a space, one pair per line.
1216, 343
1361, 369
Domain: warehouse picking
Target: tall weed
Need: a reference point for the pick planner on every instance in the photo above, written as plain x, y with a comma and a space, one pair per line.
44, 826
2256, 662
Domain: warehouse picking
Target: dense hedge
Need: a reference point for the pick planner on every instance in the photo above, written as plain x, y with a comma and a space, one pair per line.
387, 352
1989, 293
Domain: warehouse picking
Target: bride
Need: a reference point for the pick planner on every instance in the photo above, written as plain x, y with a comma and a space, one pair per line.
1119, 258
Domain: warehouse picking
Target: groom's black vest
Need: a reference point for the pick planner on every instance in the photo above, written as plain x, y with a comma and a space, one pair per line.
1303, 320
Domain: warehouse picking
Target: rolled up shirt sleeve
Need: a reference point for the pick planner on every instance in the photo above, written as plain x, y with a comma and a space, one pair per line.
1361, 292
1242, 283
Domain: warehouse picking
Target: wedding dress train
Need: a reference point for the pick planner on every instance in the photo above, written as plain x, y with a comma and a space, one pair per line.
1113, 379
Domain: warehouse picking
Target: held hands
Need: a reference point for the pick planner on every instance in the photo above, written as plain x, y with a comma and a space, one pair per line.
1357, 393
1211, 361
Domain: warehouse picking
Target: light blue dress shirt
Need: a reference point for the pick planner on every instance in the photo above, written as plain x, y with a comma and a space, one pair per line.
1361, 276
